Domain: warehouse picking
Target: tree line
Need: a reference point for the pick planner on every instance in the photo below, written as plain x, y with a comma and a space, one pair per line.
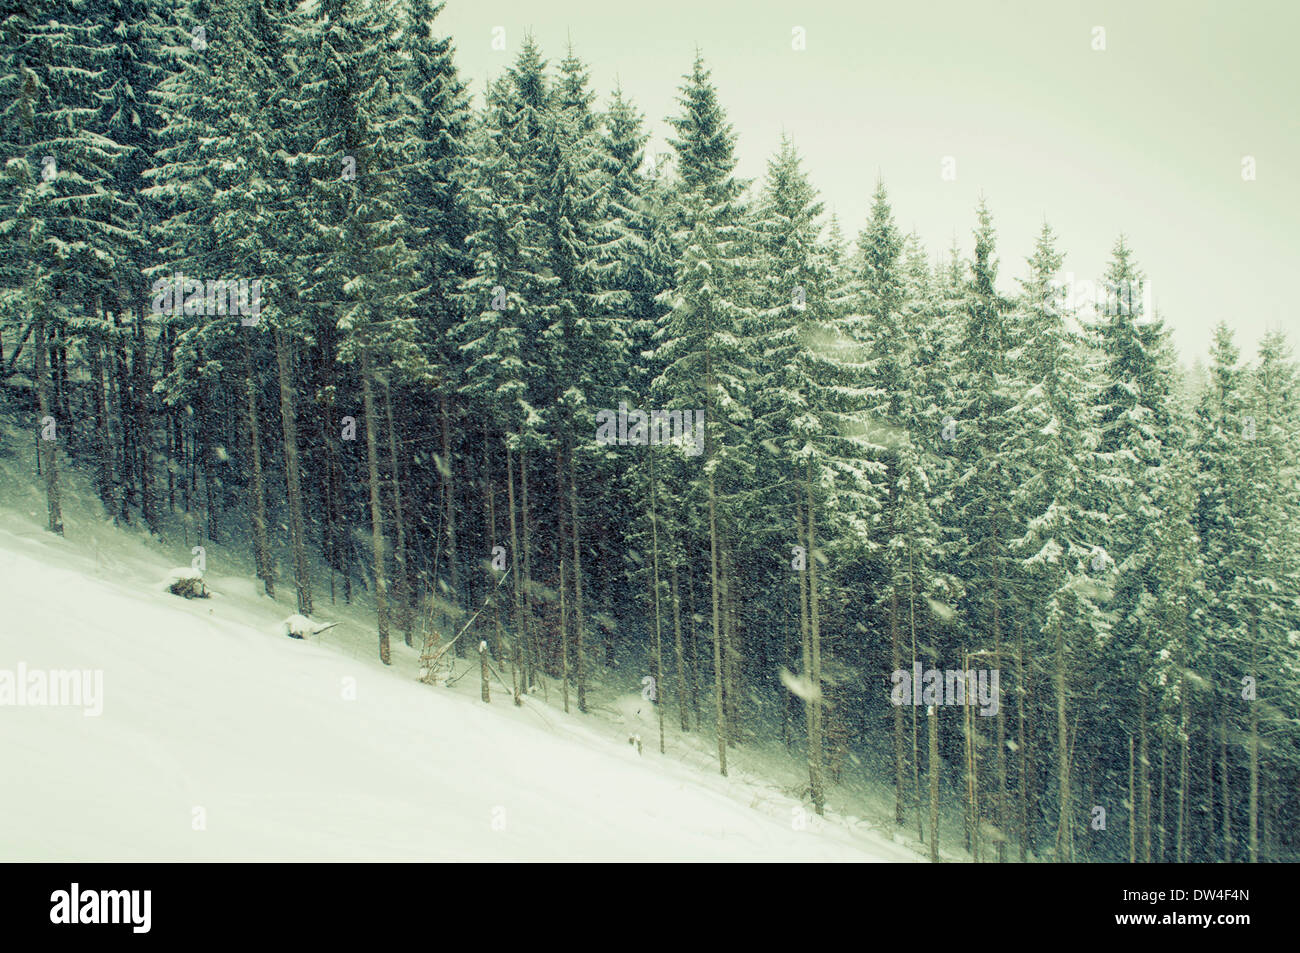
902, 462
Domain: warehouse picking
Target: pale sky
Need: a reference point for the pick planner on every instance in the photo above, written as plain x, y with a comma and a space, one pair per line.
1146, 137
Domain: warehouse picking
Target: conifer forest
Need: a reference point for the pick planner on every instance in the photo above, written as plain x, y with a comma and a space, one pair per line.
501, 384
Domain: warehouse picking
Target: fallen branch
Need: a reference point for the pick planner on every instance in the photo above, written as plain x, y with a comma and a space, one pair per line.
427, 661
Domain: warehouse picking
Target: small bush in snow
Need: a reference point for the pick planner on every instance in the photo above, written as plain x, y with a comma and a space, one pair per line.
188, 583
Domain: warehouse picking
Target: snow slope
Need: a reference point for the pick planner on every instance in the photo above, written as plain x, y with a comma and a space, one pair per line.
221, 739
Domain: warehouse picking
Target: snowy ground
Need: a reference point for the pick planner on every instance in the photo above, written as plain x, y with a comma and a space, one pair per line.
221, 739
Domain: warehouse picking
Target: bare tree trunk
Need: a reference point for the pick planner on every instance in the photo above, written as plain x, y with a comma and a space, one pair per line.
564, 562
332, 530
578, 621
896, 653
205, 464
677, 645
1223, 779
1022, 694
814, 629
292, 477
122, 391
376, 508
564, 622
1164, 754
659, 652
445, 472
529, 634
489, 501
1132, 808
1001, 805
805, 630
1254, 768
103, 453
144, 430
1180, 852
692, 647
517, 637
257, 491
48, 455
972, 768
1064, 832
1144, 777
933, 717
718, 677
402, 579
999, 802
1209, 780
171, 422
731, 643
916, 750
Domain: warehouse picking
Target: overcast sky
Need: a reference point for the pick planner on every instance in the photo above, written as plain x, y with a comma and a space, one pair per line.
1146, 137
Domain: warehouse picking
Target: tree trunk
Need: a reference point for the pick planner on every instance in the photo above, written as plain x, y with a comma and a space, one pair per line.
103, 453
48, 455
692, 647
517, 637
814, 631
1022, 692
1132, 808
805, 633
376, 509
972, 768
449, 499
489, 503
529, 634
1209, 782
256, 489
144, 430
1064, 832
1223, 778
401, 580
721, 728
564, 562
122, 390
1164, 754
933, 717
1254, 769
578, 620
677, 646
210, 504
1144, 777
1180, 852
292, 472
659, 652
333, 530
916, 751
1001, 804
896, 654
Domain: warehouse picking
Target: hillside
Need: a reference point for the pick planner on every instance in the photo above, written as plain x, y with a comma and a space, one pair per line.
207, 707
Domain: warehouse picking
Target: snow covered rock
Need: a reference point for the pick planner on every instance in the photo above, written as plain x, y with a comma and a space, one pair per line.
299, 626
187, 582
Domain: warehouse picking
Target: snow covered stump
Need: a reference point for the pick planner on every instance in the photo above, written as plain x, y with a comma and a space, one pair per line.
299, 626
188, 583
